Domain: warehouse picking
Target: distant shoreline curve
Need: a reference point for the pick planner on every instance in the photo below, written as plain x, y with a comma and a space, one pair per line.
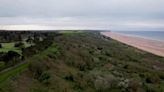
144, 37
152, 46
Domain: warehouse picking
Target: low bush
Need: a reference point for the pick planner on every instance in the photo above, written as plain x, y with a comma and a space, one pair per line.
45, 78
19, 45
106, 82
2, 64
151, 78
0, 45
38, 68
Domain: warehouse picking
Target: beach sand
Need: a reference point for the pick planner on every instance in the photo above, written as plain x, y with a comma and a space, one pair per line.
152, 46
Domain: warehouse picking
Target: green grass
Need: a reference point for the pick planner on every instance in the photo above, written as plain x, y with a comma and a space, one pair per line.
27, 44
13, 72
10, 73
2, 64
10, 47
51, 51
66, 32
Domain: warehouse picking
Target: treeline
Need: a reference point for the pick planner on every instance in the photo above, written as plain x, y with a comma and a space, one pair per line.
10, 36
40, 46
41, 41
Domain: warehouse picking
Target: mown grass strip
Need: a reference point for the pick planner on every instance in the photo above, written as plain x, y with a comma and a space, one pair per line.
13, 72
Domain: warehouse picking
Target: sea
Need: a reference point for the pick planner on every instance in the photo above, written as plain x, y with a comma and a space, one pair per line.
153, 35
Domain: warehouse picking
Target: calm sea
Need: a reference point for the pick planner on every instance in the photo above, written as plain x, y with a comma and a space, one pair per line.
155, 35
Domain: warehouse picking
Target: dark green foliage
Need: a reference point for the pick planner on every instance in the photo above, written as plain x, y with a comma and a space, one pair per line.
40, 46
151, 78
69, 77
29, 40
19, 44
2, 64
90, 62
45, 78
10, 56
0, 45
87, 52
38, 68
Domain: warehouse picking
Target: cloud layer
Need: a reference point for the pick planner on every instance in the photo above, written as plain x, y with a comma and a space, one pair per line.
105, 14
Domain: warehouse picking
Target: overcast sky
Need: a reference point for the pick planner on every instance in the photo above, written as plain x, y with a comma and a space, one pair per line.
83, 14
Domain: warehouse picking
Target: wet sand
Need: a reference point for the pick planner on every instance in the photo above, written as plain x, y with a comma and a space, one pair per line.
152, 46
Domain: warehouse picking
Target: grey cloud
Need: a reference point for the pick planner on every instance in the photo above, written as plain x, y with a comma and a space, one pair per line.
107, 12
81, 7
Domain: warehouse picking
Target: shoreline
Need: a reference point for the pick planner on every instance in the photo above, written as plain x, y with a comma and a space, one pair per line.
149, 45
147, 38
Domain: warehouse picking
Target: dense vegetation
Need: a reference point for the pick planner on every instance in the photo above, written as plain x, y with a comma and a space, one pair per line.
80, 62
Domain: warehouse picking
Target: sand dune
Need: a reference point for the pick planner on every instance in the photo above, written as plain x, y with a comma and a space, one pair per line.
152, 46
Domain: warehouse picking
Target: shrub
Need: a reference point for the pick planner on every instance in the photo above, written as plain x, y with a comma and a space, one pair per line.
10, 56
69, 77
38, 68
2, 64
44, 78
152, 88
29, 40
0, 45
19, 44
103, 83
151, 78
134, 86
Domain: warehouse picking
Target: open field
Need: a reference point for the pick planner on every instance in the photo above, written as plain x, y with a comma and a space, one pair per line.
10, 47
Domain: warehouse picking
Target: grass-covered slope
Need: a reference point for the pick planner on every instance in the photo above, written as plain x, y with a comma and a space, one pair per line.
89, 62
10, 47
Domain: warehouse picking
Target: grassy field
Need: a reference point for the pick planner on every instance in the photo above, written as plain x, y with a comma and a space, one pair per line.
10, 47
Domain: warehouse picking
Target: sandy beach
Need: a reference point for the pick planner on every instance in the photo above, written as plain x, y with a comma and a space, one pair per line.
152, 46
